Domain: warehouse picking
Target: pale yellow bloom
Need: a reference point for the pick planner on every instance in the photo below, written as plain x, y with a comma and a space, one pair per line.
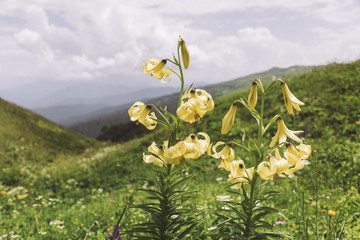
155, 67
149, 121
194, 105
196, 147
252, 99
283, 132
239, 173
290, 100
274, 167
175, 154
158, 151
164, 154
185, 54
229, 118
296, 158
140, 112
225, 156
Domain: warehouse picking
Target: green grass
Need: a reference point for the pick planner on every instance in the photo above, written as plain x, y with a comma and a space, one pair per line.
49, 173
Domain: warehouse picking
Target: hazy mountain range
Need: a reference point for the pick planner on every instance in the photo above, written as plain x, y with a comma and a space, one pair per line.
90, 124
86, 108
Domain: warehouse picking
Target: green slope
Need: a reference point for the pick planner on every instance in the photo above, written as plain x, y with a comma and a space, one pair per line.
92, 187
28, 136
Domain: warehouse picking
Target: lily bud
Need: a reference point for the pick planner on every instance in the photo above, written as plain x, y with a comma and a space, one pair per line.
229, 118
252, 99
184, 54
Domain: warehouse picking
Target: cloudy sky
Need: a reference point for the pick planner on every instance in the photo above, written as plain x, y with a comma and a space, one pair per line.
108, 40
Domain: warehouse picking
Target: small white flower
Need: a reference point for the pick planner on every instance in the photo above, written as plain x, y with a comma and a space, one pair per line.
56, 222
225, 208
42, 233
61, 227
212, 228
222, 198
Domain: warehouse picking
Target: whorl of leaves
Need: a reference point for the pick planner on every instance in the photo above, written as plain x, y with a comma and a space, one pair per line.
170, 215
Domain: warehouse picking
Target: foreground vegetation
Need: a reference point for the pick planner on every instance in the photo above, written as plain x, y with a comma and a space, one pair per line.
61, 197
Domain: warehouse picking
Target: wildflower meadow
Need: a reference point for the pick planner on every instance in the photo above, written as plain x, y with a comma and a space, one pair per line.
277, 160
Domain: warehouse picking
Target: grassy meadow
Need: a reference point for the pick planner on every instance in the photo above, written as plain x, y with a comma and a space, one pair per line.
55, 183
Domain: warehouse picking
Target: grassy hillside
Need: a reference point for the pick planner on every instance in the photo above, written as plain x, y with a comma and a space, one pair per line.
79, 190
25, 136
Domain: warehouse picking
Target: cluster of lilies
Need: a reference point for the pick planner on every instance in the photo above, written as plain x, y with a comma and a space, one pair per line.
194, 104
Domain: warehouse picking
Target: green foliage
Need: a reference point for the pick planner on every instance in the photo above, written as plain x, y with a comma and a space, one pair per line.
122, 132
77, 181
170, 215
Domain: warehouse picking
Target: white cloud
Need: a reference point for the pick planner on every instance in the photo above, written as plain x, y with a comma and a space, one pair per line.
99, 39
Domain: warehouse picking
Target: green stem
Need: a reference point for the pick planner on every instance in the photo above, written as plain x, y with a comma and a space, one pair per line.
181, 77
272, 83
162, 115
239, 145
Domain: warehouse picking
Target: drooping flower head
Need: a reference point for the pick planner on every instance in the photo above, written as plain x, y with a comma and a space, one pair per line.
194, 105
239, 173
229, 119
155, 68
175, 154
196, 147
290, 100
252, 99
273, 168
225, 156
166, 155
297, 159
158, 159
140, 112
283, 132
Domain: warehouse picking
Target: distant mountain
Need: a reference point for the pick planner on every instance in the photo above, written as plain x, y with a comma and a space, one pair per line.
45, 94
76, 110
109, 116
62, 114
25, 135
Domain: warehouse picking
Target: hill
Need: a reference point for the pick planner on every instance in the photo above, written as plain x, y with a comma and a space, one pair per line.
116, 115
79, 190
26, 136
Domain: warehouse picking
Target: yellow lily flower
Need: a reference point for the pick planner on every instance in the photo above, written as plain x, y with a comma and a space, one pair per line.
239, 173
175, 154
149, 121
158, 151
283, 132
225, 156
138, 111
229, 119
155, 67
274, 167
252, 99
164, 154
194, 105
297, 158
196, 147
290, 100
